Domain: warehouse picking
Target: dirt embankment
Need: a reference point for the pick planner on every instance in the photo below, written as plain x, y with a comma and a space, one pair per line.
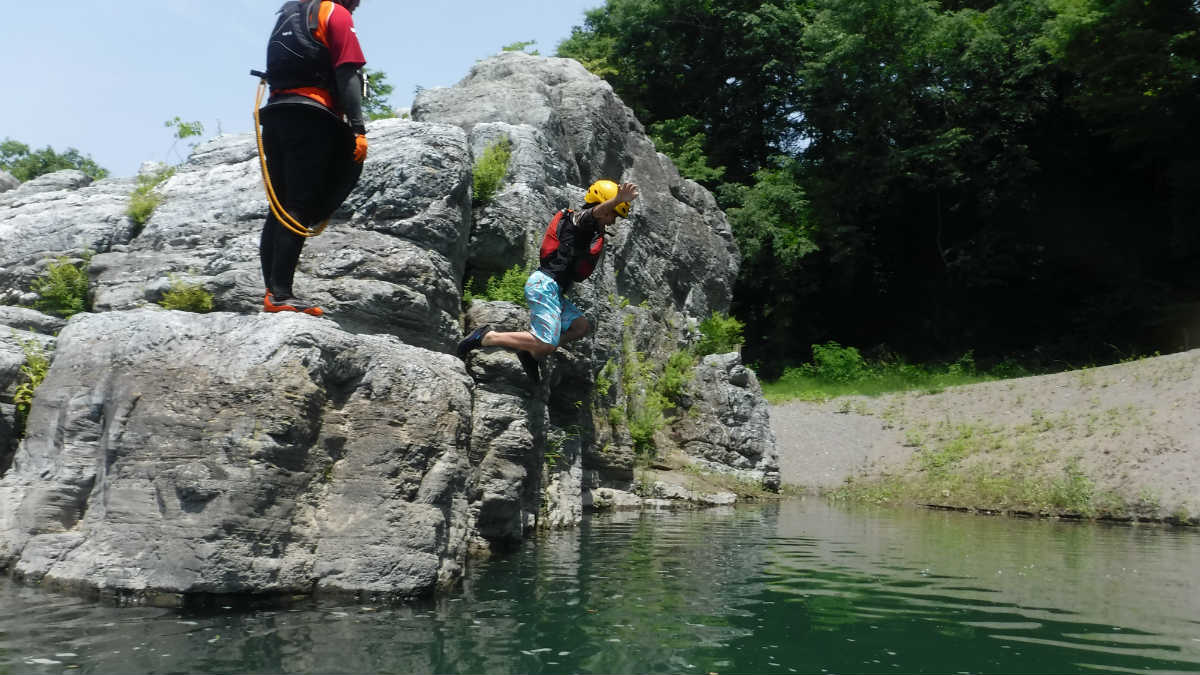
1119, 442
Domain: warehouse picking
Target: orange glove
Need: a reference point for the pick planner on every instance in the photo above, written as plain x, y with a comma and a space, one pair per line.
360, 148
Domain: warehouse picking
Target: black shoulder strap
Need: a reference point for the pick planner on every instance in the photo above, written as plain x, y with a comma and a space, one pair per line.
313, 16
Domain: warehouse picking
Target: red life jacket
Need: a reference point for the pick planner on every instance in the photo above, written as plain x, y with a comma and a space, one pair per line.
569, 266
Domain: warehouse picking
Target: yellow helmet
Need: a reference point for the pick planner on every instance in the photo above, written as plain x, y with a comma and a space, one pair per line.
604, 190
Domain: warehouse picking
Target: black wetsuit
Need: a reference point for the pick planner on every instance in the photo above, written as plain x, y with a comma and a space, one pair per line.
310, 156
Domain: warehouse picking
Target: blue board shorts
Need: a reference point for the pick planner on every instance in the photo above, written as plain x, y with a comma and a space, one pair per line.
549, 312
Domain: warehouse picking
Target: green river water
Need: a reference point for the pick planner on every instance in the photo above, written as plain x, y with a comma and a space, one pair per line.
791, 587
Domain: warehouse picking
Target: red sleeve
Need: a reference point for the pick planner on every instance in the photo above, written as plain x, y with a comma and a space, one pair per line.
343, 41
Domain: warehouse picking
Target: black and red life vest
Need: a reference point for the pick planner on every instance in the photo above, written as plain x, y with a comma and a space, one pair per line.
577, 264
296, 59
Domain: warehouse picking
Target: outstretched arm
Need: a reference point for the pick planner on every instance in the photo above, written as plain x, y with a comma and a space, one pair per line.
627, 192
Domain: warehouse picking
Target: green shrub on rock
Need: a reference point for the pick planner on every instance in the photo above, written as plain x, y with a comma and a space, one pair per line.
490, 170
63, 289
721, 334
187, 297
145, 197
508, 287
33, 372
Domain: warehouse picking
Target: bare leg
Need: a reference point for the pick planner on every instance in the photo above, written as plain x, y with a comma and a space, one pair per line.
519, 340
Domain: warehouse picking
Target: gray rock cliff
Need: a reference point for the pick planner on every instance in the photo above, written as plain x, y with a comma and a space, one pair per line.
238, 452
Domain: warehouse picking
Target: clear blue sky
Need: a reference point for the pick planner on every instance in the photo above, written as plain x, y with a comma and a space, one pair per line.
104, 76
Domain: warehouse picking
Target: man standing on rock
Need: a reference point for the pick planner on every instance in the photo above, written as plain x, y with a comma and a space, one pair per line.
570, 252
314, 136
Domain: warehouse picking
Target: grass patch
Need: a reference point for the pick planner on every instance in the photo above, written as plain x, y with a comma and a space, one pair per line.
842, 371
490, 169
1004, 469
145, 197
63, 289
187, 297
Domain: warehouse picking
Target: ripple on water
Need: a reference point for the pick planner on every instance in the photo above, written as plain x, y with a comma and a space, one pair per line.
797, 587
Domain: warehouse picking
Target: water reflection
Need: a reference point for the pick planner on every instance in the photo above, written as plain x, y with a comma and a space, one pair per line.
797, 587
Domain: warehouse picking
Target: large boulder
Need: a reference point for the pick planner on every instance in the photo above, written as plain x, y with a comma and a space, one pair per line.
728, 425
175, 453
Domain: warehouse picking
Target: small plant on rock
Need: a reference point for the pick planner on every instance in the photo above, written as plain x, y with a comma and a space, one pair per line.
187, 297
490, 170
33, 372
508, 287
145, 197
63, 289
721, 334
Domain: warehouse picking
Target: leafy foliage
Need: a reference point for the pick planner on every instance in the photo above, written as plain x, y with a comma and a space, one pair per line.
720, 334
508, 287
376, 105
182, 131
63, 289
490, 169
676, 374
33, 372
187, 297
25, 164
772, 219
836, 370
994, 175
836, 363
683, 141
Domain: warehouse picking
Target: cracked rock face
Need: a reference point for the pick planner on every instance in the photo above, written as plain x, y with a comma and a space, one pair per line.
225, 453
730, 427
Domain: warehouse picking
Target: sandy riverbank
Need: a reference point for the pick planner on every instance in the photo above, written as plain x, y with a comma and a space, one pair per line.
1120, 442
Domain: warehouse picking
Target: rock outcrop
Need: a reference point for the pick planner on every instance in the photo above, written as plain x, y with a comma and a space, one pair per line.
728, 425
172, 452
237, 452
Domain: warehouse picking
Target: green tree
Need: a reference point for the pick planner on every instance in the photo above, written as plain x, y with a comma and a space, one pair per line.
25, 164
930, 175
683, 141
376, 106
1138, 65
730, 64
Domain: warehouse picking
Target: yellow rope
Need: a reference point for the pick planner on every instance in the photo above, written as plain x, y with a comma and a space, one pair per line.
281, 213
